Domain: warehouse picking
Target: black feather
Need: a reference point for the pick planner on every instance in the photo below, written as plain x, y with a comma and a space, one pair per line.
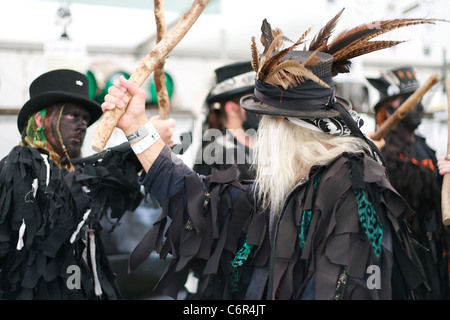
266, 35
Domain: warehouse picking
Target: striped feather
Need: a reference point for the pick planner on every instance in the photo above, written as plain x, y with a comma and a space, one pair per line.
255, 55
325, 33
369, 47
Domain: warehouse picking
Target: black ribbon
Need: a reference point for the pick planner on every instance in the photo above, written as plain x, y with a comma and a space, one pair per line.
309, 95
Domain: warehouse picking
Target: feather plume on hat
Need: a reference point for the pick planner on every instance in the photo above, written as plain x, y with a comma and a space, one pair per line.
347, 45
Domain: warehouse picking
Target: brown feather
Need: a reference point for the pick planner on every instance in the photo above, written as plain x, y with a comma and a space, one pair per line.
313, 59
369, 47
276, 32
266, 65
325, 33
300, 40
356, 41
294, 72
368, 31
340, 67
255, 55
401, 23
350, 38
276, 45
346, 45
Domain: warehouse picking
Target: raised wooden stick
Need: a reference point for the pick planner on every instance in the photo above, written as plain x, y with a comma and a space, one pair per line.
145, 68
160, 82
405, 107
445, 196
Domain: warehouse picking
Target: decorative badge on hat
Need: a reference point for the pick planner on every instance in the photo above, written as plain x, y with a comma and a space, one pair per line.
231, 80
58, 86
394, 83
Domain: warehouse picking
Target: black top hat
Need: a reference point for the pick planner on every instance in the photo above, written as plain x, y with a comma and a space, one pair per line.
306, 100
394, 83
231, 80
58, 86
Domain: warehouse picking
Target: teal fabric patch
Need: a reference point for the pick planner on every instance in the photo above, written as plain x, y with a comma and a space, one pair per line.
369, 221
306, 220
238, 261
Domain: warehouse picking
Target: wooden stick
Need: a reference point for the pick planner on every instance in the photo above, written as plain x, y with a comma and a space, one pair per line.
405, 107
145, 68
158, 75
445, 193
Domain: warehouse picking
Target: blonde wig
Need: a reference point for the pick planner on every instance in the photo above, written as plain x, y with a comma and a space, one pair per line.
285, 152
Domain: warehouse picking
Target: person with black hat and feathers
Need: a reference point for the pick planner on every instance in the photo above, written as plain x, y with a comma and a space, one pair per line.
412, 168
228, 130
320, 221
52, 199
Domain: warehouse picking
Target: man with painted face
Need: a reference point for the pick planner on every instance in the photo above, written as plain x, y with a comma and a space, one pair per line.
52, 200
412, 168
65, 126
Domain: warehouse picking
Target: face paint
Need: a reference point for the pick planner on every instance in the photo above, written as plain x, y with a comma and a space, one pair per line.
414, 118
73, 122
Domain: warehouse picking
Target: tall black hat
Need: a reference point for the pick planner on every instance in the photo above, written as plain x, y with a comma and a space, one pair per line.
394, 83
231, 80
58, 86
307, 99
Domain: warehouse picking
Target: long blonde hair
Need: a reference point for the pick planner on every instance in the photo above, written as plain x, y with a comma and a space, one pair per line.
284, 154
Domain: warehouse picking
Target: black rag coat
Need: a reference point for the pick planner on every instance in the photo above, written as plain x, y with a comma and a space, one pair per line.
49, 222
341, 235
412, 169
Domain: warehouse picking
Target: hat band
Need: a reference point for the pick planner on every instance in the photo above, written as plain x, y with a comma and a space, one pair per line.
308, 96
236, 82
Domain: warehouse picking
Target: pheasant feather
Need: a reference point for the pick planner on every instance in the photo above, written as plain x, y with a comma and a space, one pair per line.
356, 42
268, 62
255, 55
347, 45
325, 33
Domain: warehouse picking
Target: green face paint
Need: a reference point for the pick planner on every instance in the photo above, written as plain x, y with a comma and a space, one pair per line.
35, 133
40, 130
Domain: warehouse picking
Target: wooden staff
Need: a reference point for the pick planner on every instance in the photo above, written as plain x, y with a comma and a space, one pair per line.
445, 201
145, 68
160, 83
405, 107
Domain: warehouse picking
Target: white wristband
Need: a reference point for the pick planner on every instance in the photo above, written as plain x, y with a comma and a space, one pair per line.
141, 133
147, 142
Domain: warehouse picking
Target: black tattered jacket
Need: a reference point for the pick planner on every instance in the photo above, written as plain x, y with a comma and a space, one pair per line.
49, 222
338, 229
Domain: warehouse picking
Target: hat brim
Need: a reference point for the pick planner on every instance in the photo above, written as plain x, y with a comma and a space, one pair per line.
228, 94
42, 101
381, 85
388, 98
249, 104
